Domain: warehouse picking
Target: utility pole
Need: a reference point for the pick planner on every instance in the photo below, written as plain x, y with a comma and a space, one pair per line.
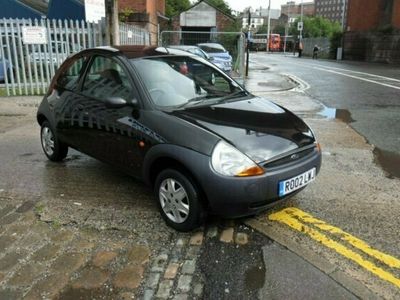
269, 25
112, 21
301, 20
248, 42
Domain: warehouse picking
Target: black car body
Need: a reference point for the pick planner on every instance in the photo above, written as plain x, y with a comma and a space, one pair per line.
193, 133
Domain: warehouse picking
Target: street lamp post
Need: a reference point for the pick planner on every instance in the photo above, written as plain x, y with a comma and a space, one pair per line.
301, 20
269, 25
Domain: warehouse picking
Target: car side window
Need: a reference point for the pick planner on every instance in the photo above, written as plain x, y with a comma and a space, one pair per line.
106, 78
70, 77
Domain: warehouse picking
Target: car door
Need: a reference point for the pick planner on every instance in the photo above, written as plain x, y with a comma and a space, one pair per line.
65, 99
107, 133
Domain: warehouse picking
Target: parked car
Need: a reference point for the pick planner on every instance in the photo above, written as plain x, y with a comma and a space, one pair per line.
5, 66
219, 56
191, 49
205, 147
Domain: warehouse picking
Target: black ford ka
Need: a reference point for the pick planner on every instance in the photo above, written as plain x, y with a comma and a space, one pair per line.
181, 125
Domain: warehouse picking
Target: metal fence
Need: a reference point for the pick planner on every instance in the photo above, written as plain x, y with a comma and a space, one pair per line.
232, 42
133, 35
32, 50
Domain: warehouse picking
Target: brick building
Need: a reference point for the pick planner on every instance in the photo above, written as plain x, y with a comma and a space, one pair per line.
373, 31
293, 10
148, 14
201, 17
332, 10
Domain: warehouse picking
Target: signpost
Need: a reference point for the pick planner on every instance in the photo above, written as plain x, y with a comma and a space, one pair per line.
34, 35
95, 10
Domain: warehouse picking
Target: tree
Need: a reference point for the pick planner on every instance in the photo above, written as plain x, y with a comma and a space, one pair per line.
174, 7
316, 27
222, 5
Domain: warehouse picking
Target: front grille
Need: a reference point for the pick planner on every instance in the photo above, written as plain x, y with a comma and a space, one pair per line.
289, 158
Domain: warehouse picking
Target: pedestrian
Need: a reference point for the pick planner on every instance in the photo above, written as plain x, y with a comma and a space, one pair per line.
315, 52
300, 48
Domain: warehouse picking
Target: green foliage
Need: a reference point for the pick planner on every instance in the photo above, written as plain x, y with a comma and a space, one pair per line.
174, 7
315, 27
124, 14
222, 5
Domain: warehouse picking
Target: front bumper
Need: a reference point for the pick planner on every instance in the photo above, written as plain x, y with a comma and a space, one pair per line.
243, 196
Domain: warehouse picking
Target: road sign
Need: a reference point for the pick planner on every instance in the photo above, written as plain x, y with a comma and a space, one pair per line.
300, 26
34, 35
95, 10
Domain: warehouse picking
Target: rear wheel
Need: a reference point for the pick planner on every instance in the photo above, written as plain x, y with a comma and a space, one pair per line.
178, 200
52, 147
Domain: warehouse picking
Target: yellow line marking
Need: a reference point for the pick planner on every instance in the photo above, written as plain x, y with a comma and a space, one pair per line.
288, 219
355, 242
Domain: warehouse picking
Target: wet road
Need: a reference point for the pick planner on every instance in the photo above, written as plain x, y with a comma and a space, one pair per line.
370, 92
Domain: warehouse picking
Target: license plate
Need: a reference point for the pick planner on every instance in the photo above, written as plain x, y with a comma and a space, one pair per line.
297, 182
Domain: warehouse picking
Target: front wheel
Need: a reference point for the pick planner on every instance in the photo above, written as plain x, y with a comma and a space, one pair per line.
178, 200
52, 147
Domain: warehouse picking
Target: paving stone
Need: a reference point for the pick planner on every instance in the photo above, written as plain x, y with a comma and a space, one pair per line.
126, 296
241, 238
63, 236
159, 263
10, 294
2, 276
68, 263
130, 277
18, 229
91, 278
26, 206
176, 254
198, 289
5, 242
46, 253
10, 218
189, 266
31, 239
212, 232
227, 235
4, 211
148, 295
48, 287
139, 254
171, 271
29, 217
181, 242
43, 229
11, 259
184, 283
102, 258
193, 252
152, 280
83, 245
164, 289
197, 238
26, 275
181, 297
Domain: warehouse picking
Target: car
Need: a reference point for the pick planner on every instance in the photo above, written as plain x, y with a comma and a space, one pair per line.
5, 69
192, 49
205, 147
218, 55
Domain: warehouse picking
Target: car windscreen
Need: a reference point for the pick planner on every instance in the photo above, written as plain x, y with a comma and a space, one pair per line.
210, 48
177, 81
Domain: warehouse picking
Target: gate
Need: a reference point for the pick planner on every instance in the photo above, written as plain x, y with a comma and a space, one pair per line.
233, 43
32, 50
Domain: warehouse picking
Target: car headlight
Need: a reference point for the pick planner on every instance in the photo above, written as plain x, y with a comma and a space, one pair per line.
227, 160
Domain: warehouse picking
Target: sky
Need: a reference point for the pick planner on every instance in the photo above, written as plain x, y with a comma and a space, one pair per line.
241, 4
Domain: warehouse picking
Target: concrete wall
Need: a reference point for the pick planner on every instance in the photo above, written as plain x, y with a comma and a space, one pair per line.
372, 46
322, 42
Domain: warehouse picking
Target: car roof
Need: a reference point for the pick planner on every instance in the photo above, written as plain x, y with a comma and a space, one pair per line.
137, 51
212, 45
183, 47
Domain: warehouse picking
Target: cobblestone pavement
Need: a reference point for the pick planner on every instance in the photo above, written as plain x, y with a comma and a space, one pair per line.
82, 230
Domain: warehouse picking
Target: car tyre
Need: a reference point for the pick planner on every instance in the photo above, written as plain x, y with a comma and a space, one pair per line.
52, 147
178, 200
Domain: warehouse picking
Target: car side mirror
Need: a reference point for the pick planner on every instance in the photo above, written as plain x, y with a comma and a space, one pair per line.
115, 102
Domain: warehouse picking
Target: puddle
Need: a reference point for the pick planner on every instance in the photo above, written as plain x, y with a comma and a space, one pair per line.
334, 113
254, 278
389, 161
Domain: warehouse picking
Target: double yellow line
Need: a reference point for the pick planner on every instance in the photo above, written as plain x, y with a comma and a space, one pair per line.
299, 220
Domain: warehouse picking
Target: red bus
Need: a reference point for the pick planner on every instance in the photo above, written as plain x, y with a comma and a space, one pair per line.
275, 42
